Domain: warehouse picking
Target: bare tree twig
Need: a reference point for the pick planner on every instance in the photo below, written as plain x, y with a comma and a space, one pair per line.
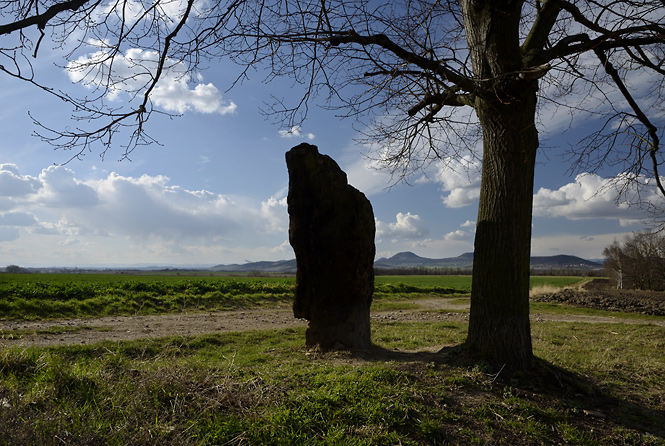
654, 143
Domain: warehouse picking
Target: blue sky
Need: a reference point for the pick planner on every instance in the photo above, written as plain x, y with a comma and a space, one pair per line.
214, 191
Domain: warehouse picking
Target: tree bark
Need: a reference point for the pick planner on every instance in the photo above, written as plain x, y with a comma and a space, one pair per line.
499, 320
505, 104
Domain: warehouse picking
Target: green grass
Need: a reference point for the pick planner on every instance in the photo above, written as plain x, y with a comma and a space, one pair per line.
562, 309
457, 282
463, 283
596, 384
151, 277
48, 296
263, 387
461, 301
68, 296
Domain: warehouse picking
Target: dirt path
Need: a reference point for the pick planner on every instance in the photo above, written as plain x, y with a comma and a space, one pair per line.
122, 328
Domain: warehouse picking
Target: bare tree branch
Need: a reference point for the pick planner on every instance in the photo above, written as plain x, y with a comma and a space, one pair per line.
41, 20
654, 141
384, 41
542, 26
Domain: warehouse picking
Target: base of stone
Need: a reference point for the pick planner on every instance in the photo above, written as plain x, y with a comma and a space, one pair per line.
348, 335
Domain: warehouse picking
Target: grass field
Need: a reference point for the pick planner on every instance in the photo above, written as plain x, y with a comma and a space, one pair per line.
44, 296
457, 282
598, 384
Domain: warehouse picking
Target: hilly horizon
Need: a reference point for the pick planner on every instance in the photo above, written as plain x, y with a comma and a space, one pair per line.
408, 259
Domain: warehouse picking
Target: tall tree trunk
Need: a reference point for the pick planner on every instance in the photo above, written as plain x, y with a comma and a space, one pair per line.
499, 320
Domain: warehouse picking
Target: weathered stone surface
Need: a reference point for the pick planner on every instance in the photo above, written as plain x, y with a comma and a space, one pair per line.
332, 233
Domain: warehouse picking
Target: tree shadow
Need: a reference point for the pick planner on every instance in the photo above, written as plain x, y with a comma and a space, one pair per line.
578, 393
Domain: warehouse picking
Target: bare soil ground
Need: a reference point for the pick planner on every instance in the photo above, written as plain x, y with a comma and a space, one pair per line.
599, 295
595, 294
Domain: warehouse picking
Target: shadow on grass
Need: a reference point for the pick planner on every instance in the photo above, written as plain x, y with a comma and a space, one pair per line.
598, 406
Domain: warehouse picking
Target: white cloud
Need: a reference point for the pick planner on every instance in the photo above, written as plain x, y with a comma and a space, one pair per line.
462, 235
13, 184
173, 10
294, 132
127, 11
132, 71
274, 211
460, 178
149, 207
175, 95
590, 196
130, 11
458, 235
60, 188
406, 226
284, 247
111, 216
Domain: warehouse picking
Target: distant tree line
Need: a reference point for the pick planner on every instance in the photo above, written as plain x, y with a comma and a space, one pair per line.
637, 263
422, 271
14, 269
567, 272
448, 271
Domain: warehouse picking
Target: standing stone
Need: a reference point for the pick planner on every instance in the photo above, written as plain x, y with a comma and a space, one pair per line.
331, 230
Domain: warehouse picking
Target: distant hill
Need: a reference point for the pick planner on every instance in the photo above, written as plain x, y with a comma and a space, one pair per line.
411, 260
279, 266
465, 261
563, 262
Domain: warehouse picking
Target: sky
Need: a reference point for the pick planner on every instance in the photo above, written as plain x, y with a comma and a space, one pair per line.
213, 191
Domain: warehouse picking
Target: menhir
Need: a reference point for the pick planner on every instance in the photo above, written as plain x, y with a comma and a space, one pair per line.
332, 232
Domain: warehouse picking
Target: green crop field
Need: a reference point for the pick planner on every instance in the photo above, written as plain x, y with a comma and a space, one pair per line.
66, 296
42, 296
464, 282
116, 278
